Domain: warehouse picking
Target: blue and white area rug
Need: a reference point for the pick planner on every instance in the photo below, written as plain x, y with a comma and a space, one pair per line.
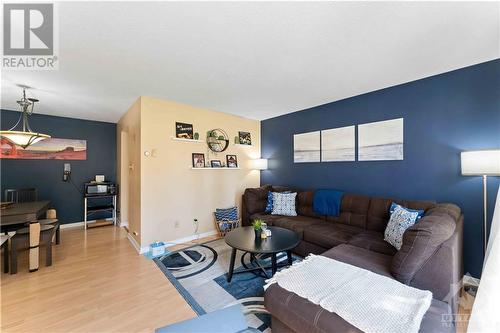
199, 274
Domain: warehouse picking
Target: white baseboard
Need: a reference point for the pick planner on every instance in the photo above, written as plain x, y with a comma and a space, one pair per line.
134, 243
191, 238
178, 241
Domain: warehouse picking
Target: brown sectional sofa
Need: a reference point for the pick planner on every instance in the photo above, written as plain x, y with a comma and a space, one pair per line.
430, 257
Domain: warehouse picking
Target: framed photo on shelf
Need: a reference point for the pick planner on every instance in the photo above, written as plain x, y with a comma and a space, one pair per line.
183, 130
232, 161
216, 164
245, 138
198, 160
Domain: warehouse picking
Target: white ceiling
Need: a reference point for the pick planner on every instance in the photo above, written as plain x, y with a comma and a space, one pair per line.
258, 60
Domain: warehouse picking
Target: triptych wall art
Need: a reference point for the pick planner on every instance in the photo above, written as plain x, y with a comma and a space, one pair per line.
377, 141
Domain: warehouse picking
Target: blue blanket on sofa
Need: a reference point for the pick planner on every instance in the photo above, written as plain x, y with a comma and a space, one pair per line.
327, 202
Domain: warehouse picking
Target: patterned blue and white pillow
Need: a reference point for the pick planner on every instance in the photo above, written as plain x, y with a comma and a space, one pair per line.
284, 204
226, 214
401, 219
269, 205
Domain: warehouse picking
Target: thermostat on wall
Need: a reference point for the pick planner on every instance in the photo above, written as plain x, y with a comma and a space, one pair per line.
99, 178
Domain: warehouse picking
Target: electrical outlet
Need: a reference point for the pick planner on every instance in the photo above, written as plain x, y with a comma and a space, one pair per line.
176, 224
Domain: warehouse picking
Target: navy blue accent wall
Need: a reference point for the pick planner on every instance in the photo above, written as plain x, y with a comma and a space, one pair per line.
443, 115
46, 175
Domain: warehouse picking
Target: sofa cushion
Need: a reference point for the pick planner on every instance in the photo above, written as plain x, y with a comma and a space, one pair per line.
353, 210
376, 262
256, 199
445, 209
420, 241
277, 188
373, 241
305, 204
268, 218
378, 213
300, 315
296, 223
329, 235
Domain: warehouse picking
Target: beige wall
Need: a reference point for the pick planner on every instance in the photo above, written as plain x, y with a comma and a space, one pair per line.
129, 168
171, 193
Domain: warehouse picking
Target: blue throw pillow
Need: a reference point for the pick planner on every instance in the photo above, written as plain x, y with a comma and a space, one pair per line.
227, 214
269, 206
419, 211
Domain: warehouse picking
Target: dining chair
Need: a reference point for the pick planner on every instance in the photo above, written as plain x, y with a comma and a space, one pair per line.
4, 244
21, 195
51, 219
21, 241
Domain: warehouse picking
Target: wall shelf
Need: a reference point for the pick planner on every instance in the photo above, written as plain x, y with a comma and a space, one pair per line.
186, 140
210, 168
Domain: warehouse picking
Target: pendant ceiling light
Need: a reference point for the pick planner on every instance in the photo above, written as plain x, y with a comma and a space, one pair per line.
24, 136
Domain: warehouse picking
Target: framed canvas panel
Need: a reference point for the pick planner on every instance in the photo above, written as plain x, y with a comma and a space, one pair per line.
338, 144
307, 147
381, 140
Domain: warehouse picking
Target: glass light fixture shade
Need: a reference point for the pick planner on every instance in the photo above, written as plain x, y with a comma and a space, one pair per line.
480, 162
23, 139
260, 164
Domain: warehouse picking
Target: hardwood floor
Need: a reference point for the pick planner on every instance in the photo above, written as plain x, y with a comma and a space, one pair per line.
97, 283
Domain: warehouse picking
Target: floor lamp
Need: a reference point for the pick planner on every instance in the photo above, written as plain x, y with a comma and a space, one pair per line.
482, 163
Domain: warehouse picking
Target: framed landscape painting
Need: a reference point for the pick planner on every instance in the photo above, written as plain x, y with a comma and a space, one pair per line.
381, 140
307, 147
48, 149
338, 144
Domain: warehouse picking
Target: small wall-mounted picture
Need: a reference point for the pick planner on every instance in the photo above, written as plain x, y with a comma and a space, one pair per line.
216, 164
183, 130
198, 160
232, 161
245, 138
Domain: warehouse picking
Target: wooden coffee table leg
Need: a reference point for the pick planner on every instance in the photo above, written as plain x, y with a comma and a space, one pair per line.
289, 257
274, 264
231, 265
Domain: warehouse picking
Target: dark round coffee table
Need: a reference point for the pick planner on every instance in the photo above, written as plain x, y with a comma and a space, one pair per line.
243, 239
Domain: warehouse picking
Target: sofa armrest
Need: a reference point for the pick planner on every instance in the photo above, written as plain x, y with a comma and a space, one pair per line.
422, 240
254, 201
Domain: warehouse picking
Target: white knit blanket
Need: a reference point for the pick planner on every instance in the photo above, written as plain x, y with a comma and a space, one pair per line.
369, 301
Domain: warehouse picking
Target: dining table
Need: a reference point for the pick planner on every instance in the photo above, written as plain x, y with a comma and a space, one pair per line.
27, 213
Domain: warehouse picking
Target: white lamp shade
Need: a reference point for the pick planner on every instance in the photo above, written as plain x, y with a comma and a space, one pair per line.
481, 162
260, 164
